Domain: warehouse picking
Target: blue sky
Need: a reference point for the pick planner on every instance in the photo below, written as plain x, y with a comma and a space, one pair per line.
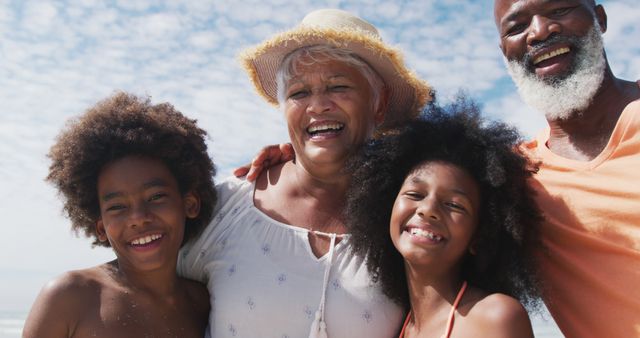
59, 57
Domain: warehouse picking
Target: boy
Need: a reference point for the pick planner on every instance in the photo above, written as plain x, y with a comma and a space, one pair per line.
135, 177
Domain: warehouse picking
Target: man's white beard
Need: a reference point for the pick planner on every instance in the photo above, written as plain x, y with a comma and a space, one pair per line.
559, 99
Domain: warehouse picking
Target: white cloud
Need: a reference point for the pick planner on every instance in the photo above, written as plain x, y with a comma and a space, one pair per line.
38, 17
204, 40
622, 28
511, 109
136, 6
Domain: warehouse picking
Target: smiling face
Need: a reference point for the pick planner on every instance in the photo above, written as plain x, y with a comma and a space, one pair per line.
143, 212
544, 34
435, 215
554, 52
329, 110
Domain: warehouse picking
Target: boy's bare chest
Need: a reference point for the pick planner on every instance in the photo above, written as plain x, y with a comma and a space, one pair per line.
125, 316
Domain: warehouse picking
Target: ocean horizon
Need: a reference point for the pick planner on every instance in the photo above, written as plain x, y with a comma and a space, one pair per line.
12, 322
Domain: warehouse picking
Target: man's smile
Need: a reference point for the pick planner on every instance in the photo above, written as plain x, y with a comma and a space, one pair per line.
550, 54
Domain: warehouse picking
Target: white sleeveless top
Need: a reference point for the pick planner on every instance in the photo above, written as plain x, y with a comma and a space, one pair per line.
265, 281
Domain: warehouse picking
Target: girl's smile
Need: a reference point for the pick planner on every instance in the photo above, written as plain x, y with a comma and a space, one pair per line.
435, 214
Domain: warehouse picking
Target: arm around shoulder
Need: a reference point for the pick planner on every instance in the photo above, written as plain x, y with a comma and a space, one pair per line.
57, 308
501, 316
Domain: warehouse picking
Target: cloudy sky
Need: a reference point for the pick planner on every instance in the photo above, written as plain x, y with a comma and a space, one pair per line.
59, 57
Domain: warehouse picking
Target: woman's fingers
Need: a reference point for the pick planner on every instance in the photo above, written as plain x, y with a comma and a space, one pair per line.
241, 171
267, 157
287, 152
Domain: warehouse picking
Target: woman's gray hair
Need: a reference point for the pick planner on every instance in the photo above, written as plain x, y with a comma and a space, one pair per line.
321, 53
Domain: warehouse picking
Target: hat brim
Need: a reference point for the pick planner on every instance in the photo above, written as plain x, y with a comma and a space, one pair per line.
407, 93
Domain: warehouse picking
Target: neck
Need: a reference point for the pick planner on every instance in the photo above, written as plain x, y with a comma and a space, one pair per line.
328, 189
585, 134
318, 200
160, 282
431, 294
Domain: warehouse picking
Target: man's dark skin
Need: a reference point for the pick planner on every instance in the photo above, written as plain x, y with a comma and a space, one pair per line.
524, 23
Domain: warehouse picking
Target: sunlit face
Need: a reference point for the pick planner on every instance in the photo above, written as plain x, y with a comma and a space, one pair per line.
544, 35
435, 215
554, 53
143, 212
328, 106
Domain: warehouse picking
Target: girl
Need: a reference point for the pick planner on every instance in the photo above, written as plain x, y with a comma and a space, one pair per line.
443, 213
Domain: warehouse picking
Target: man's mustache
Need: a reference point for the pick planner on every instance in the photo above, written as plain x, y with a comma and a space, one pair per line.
527, 59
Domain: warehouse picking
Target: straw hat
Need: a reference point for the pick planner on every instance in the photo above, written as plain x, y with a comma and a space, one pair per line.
408, 94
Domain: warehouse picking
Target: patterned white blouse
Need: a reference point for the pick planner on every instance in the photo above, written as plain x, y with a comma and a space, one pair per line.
265, 281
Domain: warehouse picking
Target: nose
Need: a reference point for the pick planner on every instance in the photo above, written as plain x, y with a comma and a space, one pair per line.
429, 209
319, 102
139, 215
541, 28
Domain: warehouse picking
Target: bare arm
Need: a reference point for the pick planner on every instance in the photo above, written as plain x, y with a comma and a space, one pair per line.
267, 157
54, 310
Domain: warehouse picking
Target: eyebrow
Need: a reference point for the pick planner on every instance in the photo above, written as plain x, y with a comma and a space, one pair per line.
156, 182
296, 79
512, 13
415, 179
337, 75
109, 196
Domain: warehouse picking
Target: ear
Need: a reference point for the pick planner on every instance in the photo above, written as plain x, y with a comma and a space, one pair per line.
191, 204
472, 247
601, 16
102, 233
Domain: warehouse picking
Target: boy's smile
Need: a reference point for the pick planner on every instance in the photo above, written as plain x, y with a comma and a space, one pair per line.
143, 212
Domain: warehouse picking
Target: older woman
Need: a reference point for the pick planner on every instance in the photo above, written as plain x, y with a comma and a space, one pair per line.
276, 258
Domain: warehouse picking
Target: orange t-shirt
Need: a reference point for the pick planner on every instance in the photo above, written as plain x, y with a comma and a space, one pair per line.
591, 261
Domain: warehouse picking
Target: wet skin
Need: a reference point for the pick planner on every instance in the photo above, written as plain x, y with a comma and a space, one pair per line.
143, 215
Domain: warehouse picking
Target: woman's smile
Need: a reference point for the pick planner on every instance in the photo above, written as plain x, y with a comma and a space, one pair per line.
329, 112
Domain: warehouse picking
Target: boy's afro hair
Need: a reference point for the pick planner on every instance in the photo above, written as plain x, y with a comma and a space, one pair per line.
124, 125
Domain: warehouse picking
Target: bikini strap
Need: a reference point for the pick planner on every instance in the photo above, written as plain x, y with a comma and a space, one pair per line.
454, 307
404, 326
453, 310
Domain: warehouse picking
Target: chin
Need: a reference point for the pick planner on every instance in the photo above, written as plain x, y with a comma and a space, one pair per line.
565, 95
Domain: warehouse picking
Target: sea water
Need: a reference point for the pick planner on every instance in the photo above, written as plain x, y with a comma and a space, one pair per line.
11, 324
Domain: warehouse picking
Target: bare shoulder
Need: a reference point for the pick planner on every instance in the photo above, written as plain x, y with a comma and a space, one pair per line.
61, 303
499, 315
72, 287
197, 294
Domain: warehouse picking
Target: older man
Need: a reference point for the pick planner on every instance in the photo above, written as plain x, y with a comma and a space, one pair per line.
589, 181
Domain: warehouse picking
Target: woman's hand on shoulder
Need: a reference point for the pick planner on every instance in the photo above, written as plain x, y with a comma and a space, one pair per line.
267, 157
58, 306
501, 316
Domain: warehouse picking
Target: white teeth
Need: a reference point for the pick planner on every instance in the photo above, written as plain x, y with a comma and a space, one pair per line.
551, 54
325, 127
425, 233
145, 239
